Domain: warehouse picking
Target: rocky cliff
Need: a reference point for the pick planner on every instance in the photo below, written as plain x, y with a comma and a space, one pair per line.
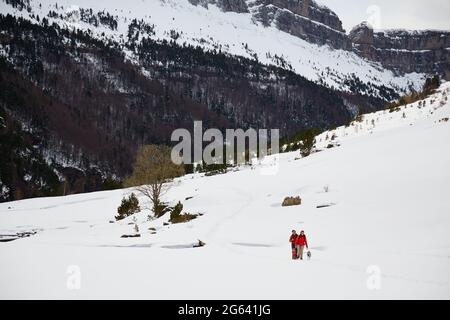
305, 19
302, 18
238, 6
404, 51
398, 50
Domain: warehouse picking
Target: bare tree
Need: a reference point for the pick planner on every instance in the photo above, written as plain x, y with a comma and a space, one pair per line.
152, 172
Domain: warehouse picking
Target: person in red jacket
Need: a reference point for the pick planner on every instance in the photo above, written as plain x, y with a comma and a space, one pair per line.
300, 244
292, 239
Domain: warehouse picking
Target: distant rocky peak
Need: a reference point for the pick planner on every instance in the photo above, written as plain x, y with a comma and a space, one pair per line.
301, 18
306, 8
404, 51
362, 34
239, 6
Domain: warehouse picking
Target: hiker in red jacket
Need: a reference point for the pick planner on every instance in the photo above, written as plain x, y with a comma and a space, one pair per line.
300, 243
292, 239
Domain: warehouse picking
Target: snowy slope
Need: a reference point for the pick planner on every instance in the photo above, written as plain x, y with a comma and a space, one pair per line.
389, 211
234, 33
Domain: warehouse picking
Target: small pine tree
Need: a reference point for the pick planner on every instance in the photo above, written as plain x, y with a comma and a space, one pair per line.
307, 144
128, 207
176, 211
160, 209
177, 217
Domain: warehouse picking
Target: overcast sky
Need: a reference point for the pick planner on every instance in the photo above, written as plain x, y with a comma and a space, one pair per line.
387, 14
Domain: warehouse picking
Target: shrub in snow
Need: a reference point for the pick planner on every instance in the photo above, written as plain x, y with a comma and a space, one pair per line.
291, 201
185, 217
176, 211
177, 217
128, 207
308, 142
431, 84
160, 209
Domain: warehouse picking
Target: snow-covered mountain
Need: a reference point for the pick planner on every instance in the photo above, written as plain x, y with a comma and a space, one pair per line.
273, 32
90, 81
375, 209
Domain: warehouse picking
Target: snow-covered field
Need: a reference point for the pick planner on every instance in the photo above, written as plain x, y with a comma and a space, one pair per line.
385, 235
234, 33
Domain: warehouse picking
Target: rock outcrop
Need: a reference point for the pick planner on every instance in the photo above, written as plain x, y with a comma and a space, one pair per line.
302, 18
398, 50
404, 51
238, 6
291, 201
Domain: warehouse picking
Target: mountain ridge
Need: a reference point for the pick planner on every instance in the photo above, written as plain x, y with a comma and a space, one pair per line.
102, 80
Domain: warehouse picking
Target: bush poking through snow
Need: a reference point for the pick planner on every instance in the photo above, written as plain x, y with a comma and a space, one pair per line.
291, 201
176, 211
177, 217
128, 207
308, 142
185, 217
160, 209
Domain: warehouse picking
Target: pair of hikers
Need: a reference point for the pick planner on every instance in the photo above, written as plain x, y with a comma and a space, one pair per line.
298, 244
